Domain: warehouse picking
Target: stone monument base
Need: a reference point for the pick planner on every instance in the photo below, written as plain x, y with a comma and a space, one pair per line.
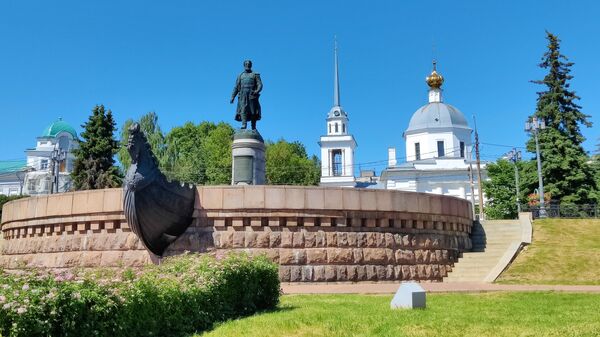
248, 164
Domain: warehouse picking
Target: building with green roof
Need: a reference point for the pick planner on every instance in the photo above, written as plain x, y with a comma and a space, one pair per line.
53, 153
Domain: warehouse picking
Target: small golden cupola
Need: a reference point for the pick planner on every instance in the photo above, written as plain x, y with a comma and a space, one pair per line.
434, 80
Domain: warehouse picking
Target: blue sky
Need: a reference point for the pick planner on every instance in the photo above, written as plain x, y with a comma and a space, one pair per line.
180, 59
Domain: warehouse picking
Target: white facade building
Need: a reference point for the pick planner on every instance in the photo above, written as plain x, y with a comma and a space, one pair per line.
438, 151
49, 164
337, 146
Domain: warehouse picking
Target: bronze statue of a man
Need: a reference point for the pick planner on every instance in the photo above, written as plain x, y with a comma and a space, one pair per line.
247, 88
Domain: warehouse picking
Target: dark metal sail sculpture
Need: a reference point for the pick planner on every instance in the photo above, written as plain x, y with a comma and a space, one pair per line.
157, 210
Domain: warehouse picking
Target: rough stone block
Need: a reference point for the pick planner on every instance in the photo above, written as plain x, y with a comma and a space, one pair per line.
331, 238
339, 256
319, 273
330, 273
361, 239
298, 240
289, 256
309, 239
262, 239
404, 256
296, 274
375, 255
285, 273
371, 240
238, 239
342, 239
351, 239
307, 273
371, 273
250, 239
274, 239
320, 240
286, 239
316, 256
341, 273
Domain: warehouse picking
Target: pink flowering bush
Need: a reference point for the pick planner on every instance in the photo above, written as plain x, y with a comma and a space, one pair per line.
183, 295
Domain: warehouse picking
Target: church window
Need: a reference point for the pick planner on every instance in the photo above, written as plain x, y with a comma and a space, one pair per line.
417, 151
329, 128
44, 164
336, 128
462, 149
343, 128
337, 162
440, 148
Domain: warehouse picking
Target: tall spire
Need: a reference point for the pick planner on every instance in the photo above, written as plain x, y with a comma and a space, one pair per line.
336, 81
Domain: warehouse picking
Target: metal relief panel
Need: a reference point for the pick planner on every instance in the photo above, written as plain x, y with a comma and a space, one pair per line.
244, 169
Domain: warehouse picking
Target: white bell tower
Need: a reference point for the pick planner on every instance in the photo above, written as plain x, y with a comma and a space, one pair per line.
337, 146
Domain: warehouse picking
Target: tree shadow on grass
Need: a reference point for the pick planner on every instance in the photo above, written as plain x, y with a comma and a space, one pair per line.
215, 325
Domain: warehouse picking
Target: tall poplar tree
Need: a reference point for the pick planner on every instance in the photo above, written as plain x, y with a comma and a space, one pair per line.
94, 160
567, 175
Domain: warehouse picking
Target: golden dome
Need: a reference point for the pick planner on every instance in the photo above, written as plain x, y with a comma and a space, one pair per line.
434, 80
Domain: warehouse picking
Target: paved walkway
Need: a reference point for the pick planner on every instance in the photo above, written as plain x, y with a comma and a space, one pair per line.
390, 288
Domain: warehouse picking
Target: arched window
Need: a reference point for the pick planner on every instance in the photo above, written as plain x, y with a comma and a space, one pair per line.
336, 128
329, 128
343, 127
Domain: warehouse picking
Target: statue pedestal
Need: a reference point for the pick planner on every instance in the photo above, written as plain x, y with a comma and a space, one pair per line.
248, 164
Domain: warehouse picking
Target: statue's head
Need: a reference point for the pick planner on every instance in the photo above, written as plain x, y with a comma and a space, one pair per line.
135, 142
248, 65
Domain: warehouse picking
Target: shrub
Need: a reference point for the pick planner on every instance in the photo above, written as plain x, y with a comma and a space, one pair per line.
183, 295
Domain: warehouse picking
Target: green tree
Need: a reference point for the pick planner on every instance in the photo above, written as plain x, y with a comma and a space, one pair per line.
567, 175
500, 189
183, 153
216, 153
148, 124
199, 154
288, 164
94, 166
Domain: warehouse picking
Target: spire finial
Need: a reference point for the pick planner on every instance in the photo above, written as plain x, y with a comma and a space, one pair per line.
336, 81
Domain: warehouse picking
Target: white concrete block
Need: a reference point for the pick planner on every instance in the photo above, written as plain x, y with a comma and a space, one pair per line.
410, 295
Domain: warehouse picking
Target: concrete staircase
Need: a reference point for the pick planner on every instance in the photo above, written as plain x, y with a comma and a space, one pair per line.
495, 244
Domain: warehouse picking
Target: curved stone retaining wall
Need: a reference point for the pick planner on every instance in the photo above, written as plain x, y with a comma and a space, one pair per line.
315, 234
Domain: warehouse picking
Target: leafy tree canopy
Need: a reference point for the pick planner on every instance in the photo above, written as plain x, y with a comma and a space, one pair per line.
501, 191
289, 164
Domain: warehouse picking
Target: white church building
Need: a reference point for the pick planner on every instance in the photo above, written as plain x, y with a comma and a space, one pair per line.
338, 144
439, 151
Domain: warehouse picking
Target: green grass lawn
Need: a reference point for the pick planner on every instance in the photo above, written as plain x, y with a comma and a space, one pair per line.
564, 251
483, 314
